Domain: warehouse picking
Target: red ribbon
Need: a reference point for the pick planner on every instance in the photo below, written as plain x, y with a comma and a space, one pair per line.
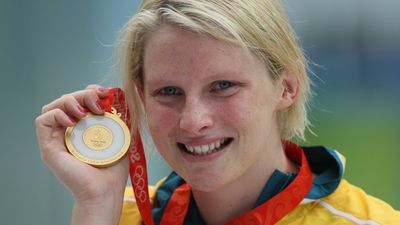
138, 173
107, 102
137, 167
268, 213
177, 206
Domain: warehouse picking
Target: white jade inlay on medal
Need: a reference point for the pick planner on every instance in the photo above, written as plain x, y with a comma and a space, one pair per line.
115, 146
98, 140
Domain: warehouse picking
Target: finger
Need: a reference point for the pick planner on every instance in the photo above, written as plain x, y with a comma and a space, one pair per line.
50, 129
55, 118
91, 101
73, 108
59, 102
87, 99
101, 91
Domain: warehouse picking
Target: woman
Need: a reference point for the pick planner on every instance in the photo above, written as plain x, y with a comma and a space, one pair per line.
222, 83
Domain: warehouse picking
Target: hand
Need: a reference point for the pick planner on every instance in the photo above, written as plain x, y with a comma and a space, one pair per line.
91, 187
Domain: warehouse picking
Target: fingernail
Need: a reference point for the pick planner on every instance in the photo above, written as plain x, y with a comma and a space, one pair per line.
82, 109
99, 104
103, 89
73, 120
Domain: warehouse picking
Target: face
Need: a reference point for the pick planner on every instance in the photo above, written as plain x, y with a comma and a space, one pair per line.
211, 107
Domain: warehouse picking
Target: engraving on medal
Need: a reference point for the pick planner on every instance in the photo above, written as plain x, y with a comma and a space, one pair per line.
97, 137
115, 112
99, 140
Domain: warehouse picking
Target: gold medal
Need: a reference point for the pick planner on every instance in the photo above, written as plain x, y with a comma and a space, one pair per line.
97, 137
98, 140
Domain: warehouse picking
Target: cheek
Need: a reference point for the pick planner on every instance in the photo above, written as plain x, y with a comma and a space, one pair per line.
234, 113
161, 120
238, 110
162, 123
249, 113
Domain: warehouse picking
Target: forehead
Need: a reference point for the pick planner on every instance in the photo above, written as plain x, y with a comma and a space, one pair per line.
174, 50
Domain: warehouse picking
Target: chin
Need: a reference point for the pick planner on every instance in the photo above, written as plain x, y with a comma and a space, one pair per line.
205, 183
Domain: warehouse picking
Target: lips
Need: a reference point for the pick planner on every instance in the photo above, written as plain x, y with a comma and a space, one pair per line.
205, 149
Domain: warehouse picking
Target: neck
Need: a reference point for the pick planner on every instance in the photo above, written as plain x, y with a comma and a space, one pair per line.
222, 205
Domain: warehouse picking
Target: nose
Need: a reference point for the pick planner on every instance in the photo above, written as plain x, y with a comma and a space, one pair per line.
196, 118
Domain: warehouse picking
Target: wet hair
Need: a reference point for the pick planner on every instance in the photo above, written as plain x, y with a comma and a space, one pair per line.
260, 26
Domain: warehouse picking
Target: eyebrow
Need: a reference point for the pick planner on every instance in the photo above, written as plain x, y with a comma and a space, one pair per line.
224, 75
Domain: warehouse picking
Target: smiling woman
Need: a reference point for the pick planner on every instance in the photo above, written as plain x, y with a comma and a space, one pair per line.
223, 88
199, 114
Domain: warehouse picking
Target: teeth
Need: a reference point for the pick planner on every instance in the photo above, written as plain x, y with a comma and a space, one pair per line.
205, 149
218, 144
212, 146
189, 148
197, 149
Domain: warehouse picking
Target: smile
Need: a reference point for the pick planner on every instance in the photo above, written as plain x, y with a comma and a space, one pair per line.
206, 149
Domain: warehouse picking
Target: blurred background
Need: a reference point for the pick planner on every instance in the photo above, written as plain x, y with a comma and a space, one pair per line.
51, 47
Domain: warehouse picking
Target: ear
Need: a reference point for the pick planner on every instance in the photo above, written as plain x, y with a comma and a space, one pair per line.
289, 91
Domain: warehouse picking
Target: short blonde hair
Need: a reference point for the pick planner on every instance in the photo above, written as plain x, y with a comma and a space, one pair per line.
260, 26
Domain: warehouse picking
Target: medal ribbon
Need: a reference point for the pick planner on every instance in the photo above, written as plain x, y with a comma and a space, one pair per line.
268, 213
107, 102
137, 162
138, 173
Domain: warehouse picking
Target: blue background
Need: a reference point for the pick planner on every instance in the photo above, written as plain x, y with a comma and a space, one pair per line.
48, 48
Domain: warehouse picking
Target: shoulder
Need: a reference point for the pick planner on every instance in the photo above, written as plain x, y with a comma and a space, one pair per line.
354, 204
348, 204
130, 213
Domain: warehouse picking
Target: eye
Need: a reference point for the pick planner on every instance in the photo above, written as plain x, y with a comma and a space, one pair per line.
169, 91
222, 85
224, 88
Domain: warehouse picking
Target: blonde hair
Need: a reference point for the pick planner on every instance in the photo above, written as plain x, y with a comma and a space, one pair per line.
260, 26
